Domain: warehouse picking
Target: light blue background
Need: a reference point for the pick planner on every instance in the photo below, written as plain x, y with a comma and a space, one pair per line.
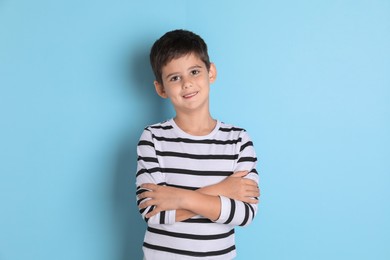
309, 80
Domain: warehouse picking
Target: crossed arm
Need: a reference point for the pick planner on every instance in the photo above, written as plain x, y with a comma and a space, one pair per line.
231, 201
204, 201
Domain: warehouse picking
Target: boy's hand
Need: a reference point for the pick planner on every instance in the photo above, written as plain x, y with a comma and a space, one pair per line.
162, 197
239, 188
169, 198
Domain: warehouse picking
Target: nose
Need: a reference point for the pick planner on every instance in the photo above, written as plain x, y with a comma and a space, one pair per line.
186, 83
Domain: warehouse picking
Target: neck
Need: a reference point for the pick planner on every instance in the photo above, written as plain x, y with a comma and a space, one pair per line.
196, 124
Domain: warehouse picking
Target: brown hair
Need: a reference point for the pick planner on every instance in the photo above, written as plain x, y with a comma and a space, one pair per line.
175, 44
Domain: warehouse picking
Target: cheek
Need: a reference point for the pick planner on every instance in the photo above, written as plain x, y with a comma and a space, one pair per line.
172, 91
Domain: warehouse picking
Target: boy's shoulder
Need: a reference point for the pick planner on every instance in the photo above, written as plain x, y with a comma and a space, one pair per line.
226, 127
234, 131
165, 125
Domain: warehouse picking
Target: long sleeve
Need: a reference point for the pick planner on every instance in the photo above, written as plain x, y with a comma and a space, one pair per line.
234, 212
149, 171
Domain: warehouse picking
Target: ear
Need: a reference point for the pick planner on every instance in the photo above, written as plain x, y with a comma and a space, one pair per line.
212, 73
160, 89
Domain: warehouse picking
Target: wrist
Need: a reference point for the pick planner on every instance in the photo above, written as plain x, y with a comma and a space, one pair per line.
212, 190
202, 204
186, 199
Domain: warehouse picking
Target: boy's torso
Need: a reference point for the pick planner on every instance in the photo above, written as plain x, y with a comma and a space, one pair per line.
193, 162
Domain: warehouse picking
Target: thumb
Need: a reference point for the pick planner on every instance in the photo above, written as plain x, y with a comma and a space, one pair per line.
239, 174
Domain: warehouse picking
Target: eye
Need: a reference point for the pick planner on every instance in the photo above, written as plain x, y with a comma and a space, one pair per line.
174, 78
195, 72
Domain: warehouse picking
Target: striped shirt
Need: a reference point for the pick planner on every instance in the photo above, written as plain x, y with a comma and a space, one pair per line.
169, 156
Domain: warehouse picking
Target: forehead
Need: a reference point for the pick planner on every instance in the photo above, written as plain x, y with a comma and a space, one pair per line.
182, 63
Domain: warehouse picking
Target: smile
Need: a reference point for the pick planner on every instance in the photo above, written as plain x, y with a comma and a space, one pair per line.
190, 95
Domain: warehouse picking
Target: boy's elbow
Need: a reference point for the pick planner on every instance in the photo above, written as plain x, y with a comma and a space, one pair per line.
249, 215
236, 213
246, 222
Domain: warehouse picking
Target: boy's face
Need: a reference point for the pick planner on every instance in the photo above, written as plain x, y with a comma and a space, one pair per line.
186, 82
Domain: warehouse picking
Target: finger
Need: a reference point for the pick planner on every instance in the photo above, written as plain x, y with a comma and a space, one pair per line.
146, 204
250, 182
251, 200
239, 174
142, 205
153, 213
149, 186
145, 194
251, 194
252, 188
255, 194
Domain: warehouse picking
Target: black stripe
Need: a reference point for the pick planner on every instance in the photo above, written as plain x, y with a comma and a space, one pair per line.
199, 156
150, 171
223, 129
150, 210
147, 159
143, 142
247, 159
190, 236
141, 172
141, 190
140, 200
142, 210
198, 220
232, 209
183, 187
252, 209
193, 141
190, 253
162, 217
249, 143
161, 127
198, 173
246, 215
184, 171
254, 171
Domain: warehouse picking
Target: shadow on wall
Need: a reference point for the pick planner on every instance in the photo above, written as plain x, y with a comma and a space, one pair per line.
131, 227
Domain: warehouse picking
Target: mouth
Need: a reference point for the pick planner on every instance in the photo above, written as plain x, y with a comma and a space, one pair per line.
190, 95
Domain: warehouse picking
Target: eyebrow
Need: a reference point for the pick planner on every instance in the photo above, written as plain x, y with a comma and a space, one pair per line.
190, 68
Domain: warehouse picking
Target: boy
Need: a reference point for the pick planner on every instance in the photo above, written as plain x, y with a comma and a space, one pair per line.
196, 176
